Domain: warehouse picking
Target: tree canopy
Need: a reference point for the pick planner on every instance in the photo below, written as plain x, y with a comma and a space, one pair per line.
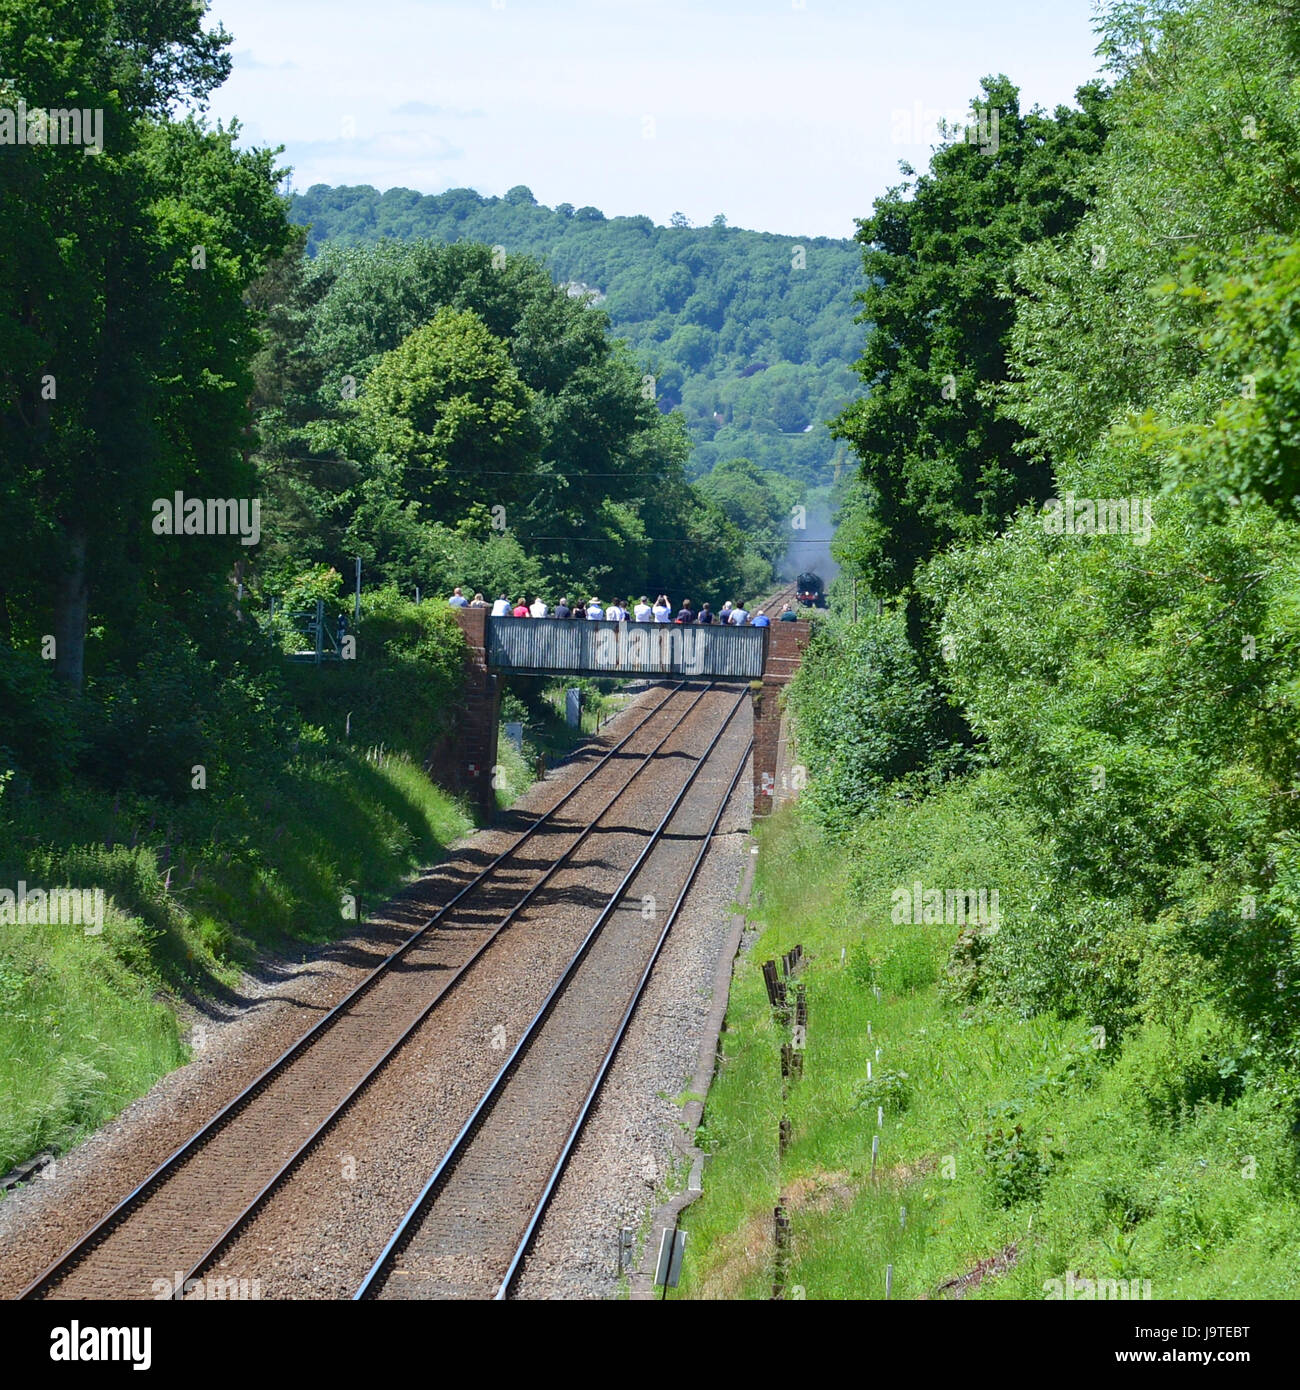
474, 419
748, 333
938, 459
1101, 523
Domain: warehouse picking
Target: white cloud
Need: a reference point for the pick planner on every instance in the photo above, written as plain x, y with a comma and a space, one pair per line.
423, 108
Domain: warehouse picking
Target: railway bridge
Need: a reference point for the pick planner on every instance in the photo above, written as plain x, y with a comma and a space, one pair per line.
766, 658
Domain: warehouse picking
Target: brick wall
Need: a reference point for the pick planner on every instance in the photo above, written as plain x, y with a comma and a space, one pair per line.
475, 749
785, 648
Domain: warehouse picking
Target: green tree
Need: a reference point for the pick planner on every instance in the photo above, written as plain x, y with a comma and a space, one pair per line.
448, 408
867, 721
940, 462
758, 502
1136, 682
124, 329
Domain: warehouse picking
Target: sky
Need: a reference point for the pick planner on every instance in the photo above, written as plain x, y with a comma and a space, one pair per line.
785, 116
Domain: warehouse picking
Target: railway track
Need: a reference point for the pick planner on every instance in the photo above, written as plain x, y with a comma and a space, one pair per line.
468, 1231
772, 606
195, 1204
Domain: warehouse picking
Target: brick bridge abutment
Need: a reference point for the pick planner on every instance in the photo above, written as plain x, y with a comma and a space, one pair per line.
785, 648
475, 743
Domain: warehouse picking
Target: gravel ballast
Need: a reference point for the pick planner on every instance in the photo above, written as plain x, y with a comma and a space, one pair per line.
315, 1238
238, 1037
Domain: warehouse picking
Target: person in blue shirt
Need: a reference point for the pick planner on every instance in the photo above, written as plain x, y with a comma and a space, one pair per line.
457, 599
761, 620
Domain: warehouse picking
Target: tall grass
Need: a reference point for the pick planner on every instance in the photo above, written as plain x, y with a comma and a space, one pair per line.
1011, 1149
87, 1021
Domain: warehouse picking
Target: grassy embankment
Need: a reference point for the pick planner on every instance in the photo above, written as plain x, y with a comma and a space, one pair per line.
87, 1022
315, 808
539, 705
1031, 1143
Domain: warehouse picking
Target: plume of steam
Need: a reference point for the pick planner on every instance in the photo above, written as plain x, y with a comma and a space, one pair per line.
810, 549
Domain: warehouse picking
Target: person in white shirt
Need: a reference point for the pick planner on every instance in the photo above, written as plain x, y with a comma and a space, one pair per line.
643, 611
501, 608
538, 608
738, 617
616, 613
663, 610
595, 610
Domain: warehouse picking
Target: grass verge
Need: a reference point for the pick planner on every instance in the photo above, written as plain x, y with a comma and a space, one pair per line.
1013, 1151
88, 1021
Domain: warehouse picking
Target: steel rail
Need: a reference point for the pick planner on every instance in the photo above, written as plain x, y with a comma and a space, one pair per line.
788, 592
295, 1159
562, 1162
459, 1144
86, 1244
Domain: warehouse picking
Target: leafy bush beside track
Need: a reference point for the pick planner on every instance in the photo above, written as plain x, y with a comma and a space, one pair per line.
1112, 1067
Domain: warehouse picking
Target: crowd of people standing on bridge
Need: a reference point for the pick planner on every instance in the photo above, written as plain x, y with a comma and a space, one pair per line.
661, 611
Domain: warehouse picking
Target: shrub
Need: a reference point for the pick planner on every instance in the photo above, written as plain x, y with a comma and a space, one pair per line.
868, 721
909, 965
1015, 1166
891, 1090
39, 735
862, 967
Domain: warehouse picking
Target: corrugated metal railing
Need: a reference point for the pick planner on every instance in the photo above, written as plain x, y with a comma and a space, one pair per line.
581, 648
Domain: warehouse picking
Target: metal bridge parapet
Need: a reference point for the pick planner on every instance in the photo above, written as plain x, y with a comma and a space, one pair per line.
579, 647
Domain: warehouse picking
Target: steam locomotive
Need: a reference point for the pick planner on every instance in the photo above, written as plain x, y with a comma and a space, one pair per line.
810, 590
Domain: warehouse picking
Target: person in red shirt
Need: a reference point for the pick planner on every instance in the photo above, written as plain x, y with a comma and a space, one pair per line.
521, 610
